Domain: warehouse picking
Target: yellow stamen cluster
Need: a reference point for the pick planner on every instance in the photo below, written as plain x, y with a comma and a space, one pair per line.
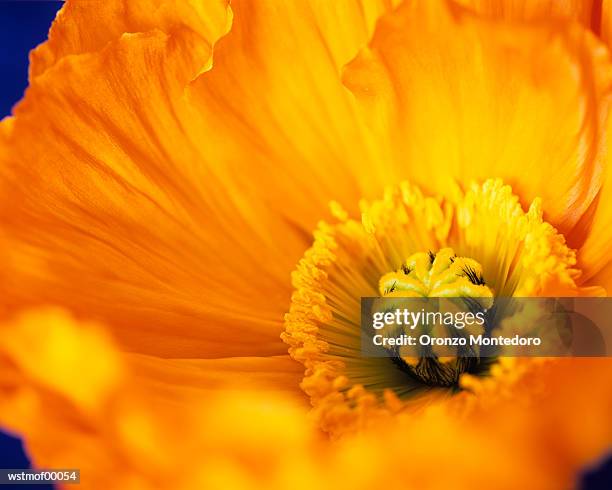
518, 253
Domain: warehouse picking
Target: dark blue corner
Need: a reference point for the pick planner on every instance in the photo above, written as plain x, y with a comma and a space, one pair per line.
23, 25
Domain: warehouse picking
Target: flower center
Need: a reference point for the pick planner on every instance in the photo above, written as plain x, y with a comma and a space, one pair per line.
441, 275
495, 240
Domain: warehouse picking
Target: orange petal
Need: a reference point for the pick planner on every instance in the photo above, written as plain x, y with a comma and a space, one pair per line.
486, 98
180, 380
593, 233
276, 88
116, 219
606, 21
85, 27
592, 14
584, 11
176, 215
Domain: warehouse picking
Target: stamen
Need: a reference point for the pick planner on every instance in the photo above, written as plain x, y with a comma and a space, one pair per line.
517, 252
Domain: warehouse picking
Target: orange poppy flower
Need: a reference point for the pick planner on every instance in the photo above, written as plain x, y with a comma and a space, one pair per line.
156, 198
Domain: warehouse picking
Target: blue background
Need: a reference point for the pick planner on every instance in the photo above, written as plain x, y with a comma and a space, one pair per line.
24, 25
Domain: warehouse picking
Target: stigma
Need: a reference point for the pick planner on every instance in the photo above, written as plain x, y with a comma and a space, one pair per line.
437, 275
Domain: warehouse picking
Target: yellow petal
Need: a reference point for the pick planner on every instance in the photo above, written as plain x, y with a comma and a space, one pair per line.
49, 350
486, 98
65, 380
